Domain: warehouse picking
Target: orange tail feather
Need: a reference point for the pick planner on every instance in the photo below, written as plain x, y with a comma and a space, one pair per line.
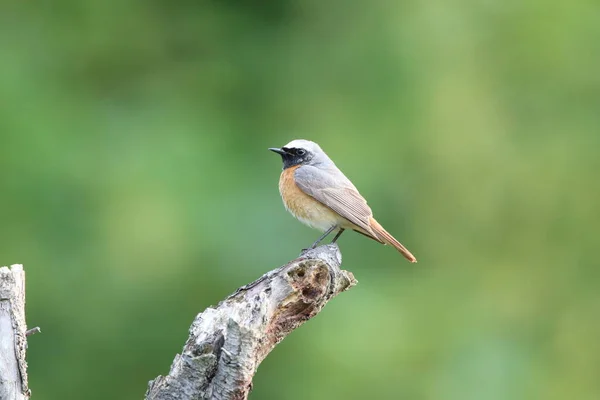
389, 239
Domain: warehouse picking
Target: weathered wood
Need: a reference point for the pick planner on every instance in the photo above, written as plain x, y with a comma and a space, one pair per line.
227, 343
13, 341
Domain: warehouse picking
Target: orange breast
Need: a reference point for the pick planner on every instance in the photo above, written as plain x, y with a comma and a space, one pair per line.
304, 207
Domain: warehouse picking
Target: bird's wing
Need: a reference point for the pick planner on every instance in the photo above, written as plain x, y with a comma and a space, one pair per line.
333, 189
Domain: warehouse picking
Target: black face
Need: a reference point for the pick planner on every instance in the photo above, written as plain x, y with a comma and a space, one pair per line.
293, 156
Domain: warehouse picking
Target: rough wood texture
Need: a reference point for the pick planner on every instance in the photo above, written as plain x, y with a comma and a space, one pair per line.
13, 342
227, 343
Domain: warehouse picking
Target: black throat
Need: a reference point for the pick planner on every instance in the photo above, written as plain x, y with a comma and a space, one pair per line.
291, 160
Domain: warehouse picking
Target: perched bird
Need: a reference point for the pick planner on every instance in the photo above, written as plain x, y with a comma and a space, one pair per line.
316, 192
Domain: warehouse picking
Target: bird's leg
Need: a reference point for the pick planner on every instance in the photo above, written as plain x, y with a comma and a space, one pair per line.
337, 235
323, 236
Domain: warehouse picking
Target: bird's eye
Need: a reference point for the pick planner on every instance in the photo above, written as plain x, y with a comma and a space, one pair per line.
300, 152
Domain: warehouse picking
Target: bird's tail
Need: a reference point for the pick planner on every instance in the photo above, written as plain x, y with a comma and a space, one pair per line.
385, 237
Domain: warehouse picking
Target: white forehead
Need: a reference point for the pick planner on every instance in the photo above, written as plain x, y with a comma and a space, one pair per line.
303, 144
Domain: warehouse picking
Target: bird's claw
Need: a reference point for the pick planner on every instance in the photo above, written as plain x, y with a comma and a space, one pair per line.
304, 251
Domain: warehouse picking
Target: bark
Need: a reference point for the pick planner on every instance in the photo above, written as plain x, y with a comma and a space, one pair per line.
13, 338
227, 343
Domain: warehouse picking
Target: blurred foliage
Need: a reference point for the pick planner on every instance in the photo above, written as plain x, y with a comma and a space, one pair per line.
137, 190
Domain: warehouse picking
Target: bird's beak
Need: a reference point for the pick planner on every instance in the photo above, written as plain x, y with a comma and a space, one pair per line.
278, 150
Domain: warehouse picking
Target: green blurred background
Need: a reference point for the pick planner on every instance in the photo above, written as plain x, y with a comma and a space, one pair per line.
137, 189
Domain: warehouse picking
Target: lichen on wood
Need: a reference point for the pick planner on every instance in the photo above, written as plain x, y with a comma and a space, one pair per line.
227, 343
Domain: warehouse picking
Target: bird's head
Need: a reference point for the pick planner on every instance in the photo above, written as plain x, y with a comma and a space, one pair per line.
301, 152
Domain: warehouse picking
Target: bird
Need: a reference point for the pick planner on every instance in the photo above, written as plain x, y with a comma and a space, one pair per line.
318, 194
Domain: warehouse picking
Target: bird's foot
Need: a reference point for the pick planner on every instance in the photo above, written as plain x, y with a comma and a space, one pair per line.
304, 251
